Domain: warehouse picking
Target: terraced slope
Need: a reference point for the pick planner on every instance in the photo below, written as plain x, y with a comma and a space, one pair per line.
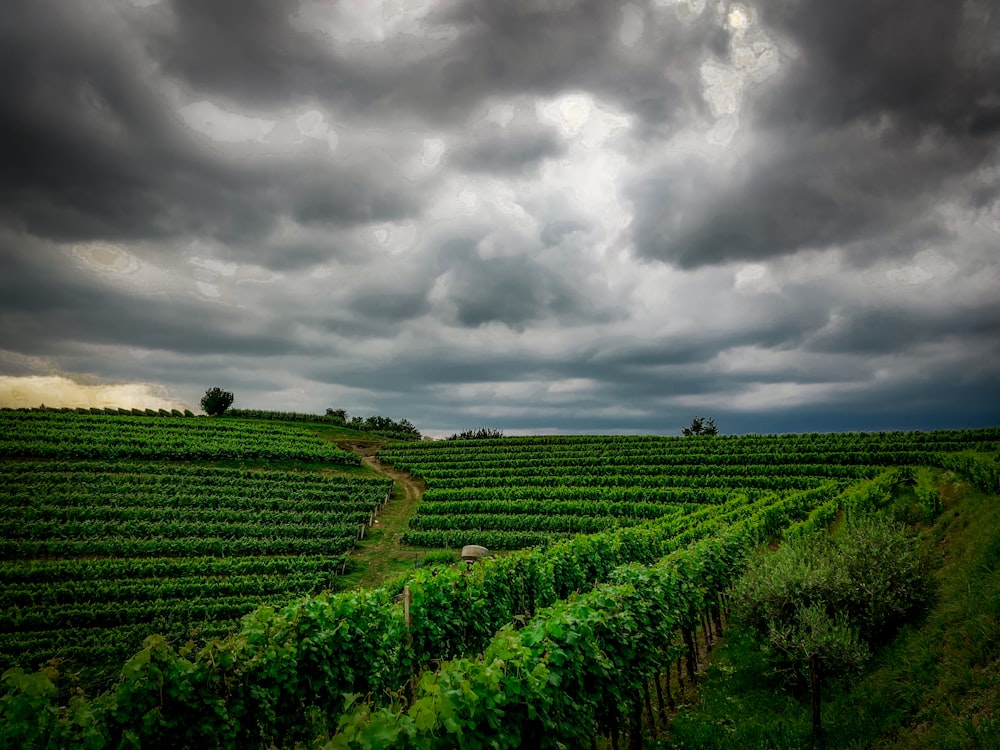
97, 554
550, 646
517, 492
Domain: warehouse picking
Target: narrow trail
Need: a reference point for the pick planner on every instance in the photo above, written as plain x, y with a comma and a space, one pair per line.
380, 555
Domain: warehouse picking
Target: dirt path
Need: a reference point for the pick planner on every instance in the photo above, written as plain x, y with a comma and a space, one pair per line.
380, 555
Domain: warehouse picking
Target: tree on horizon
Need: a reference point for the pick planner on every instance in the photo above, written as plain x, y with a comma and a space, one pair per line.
216, 401
701, 426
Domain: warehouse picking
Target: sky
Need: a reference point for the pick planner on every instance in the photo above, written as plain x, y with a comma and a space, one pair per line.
543, 216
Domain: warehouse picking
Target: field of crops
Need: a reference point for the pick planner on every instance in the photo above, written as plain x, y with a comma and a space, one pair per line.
516, 492
546, 647
97, 553
54, 434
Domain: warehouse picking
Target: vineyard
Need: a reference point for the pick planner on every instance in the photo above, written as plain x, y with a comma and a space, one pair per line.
547, 647
53, 434
516, 492
97, 553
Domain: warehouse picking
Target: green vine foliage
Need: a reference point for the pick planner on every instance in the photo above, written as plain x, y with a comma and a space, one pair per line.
569, 672
543, 648
281, 681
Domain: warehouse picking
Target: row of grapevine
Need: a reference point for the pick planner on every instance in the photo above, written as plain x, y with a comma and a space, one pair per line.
49, 573
326, 542
685, 495
76, 510
985, 439
763, 481
645, 467
573, 508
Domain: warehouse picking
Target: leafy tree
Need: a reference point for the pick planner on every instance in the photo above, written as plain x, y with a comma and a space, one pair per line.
216, 401
337, 416
701, 426
820, 604
823, 643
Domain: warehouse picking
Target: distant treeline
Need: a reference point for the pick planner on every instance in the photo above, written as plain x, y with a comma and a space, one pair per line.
105, 410
382, 426
482, 433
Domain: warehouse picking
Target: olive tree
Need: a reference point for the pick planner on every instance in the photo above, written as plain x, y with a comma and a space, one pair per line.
822, 603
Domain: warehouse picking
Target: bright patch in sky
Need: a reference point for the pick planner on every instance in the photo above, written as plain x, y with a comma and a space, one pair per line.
105, 257
432, 151
312, 124
223, 125
396, 238
369, 22
569, 113
927, 266
754, 278
738, 17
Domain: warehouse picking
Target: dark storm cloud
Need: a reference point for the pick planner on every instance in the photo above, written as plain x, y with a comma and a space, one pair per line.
494, 273
390, 303
881, 110
46, 303
923, 63
418, 371
255, 53
512, 291
360, 194
816, 193
244, 51
554, 232
542, 47
872, 331
374, 308
72, 117
91, 149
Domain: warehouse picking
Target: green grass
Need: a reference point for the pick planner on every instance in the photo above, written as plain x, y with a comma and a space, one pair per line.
936, 685
380, 557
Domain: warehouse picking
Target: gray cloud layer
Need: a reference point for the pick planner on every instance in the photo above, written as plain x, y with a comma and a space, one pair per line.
544, 214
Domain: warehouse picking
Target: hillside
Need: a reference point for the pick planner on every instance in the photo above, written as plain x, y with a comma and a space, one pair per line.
937, 684
557, 644
116, 527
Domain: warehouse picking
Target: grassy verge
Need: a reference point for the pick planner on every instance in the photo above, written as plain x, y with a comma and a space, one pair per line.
381, 557
936, 685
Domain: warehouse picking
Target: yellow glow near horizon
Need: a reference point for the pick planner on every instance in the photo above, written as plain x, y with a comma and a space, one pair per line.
58, 391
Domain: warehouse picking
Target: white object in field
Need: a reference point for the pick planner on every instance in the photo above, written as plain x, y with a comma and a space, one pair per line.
472, 552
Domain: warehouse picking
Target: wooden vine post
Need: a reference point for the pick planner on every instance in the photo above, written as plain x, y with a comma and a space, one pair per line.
408, 621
